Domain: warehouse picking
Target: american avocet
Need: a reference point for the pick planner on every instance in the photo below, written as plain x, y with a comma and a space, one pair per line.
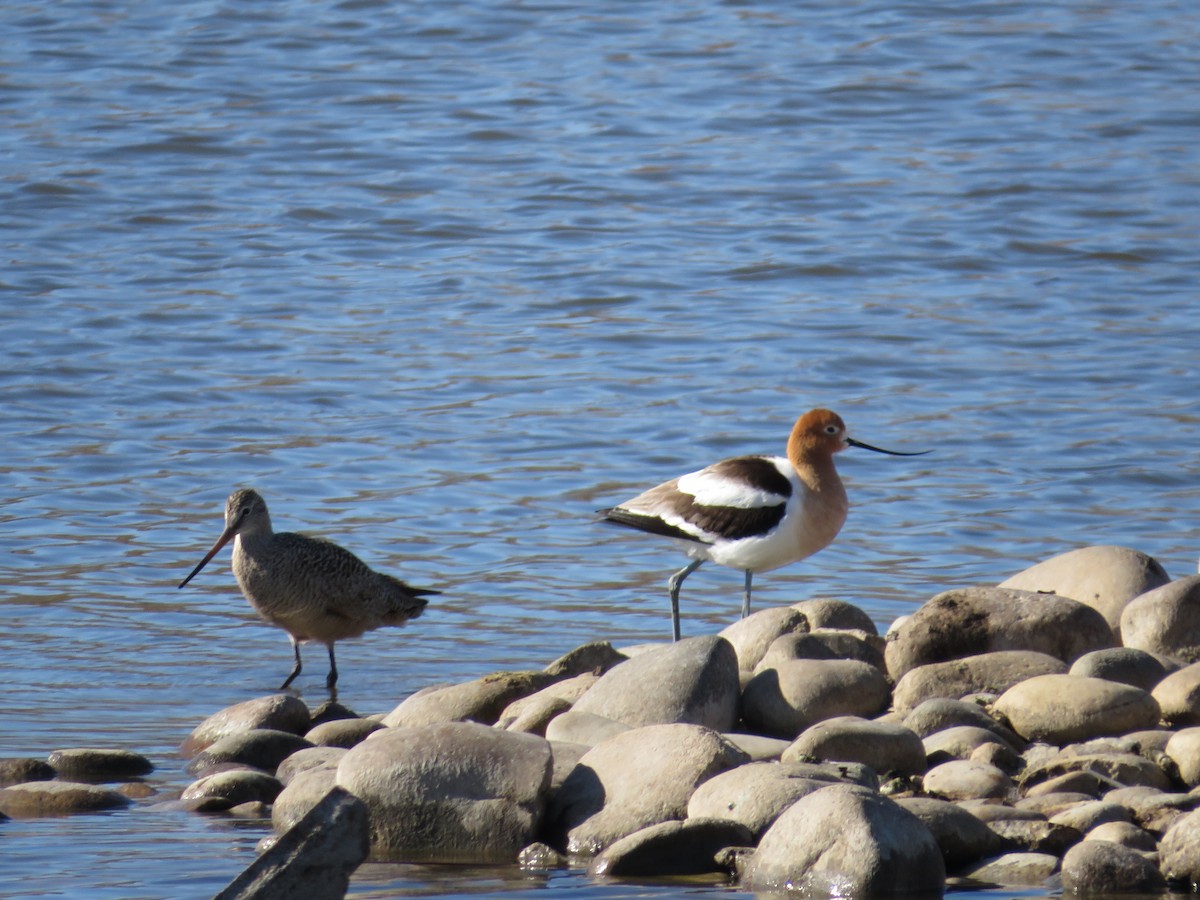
754, 513
311, 588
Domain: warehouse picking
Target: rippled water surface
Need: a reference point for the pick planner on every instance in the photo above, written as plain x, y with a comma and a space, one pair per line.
442, 279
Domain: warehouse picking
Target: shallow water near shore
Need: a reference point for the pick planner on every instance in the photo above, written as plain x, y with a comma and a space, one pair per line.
441, 280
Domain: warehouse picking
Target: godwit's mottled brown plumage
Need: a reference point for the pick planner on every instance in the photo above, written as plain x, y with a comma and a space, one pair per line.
311, 588
754, 513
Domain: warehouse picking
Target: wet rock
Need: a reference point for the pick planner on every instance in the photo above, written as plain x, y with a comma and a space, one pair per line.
1179, 851
959, 678
1100, 867
261, 748
89, 764
967, 780
888, 749
1036, 836
20, 770
753, 795
846, 841
1166, 620
300, 795
693, 682
1105, 578
1083, 817
960, 742
344, 733
825, 613
595, 658
280, 712
751, 636
1178, 696
1123, 768
671, 849
1064, 708
481, 700
971, 621
1183, 749
1124, 833
314, 860
636, 779
308, 759
450, 792
223, 790
541, 856
1015, 869
1122, 664
962, 837
57, 798
576, 727
783, 701
941, 713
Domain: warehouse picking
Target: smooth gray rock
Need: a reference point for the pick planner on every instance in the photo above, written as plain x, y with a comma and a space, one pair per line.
313, 860
450, 792
93, 764
971, 621
539, 856
23, 769
300, 795
940, 713
1101, 867
828, 613
671, 849
751, 636
344, 733
1036, 836
261, 748
1123, 664
575, 727
1124, 833
565, 756
594, 658
991, 673
754, 794
963, 838
224, 790
1060, 709
1178, 696
960, 742
280, 712
962, 779
1015, 869
1154, 809
783, 701
1083, 817
533, 713
1166, 620
824, 644
1106, 578
1183, 749
1127, 769
57, 798
638, 778
846, 841
693, 682
888, 749
310, 758
481, 700
757, 747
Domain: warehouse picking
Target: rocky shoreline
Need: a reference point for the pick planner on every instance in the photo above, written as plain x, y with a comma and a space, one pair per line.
1041, 733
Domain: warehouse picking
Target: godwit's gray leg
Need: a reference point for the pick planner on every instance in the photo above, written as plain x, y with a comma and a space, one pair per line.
673, 585
295, 668
332, 679
746, 595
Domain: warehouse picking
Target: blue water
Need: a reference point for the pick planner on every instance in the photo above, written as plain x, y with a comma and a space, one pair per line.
442, 279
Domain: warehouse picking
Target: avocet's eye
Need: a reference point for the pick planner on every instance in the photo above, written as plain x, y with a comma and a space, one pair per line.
831, 429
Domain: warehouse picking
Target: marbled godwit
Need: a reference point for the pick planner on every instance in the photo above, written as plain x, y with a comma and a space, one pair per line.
311, 588
754, 513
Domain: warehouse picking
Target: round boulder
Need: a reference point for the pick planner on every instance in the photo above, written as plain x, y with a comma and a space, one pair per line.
962, 837
990, 673
1105, 578
1059, 709
280, 712
827, 613
480, 700
847, 841
784, 700
1166, 620
57, 798
964, 779
693, 682
1183, 749
754, 794
1102, 867
1123, 664
1178, 696
671, 849
750, 637
888, 749
970, 621
87, 764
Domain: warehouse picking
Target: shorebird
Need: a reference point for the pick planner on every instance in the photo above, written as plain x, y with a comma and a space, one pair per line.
754, 513
310, 587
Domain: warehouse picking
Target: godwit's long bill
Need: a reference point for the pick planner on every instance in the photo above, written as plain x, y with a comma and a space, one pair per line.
310, 587
754, 513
